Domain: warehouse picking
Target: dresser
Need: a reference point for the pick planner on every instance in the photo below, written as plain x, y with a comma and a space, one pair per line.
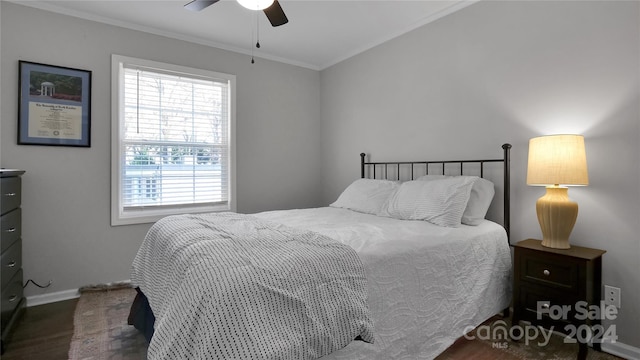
13, 300
549, 280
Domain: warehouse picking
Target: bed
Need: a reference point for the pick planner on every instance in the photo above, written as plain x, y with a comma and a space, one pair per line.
401, 278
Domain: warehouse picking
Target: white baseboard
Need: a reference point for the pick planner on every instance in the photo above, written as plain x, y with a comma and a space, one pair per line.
69, 294
52, 297
621, 350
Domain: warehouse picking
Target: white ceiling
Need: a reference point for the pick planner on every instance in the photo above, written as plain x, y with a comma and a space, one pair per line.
319, 33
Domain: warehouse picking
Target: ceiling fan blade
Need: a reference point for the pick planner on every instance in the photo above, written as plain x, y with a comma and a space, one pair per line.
197, 5
275, 14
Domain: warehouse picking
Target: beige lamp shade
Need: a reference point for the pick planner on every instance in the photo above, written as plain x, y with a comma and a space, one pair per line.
557, 160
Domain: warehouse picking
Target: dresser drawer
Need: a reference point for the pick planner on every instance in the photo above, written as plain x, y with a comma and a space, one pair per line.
548, 270
11, 297
10, 262
9, 193
10, 228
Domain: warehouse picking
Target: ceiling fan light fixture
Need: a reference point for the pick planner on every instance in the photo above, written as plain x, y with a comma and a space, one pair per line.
255, 4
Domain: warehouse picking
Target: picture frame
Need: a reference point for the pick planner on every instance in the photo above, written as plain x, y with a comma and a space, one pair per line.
54, 105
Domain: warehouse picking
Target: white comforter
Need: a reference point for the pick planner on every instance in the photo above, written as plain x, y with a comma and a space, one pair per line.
216, 282
427, 283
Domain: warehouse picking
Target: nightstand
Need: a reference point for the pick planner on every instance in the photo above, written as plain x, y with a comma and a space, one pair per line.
554, 288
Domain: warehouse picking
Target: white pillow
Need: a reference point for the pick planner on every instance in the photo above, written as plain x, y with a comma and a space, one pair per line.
482, 193
366, 195
440, 202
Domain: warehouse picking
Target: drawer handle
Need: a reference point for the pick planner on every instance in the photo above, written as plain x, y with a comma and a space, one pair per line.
13, 298
10, 194
11, 230
11, 264
546, 272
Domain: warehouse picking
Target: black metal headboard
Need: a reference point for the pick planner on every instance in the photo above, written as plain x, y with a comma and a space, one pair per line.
408, 168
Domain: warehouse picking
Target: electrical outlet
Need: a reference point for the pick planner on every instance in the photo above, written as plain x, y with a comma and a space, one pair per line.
612, 296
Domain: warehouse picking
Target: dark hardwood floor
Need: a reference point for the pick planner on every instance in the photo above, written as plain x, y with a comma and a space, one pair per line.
44, 332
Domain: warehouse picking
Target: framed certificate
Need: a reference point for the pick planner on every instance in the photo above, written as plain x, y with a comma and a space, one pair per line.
54, 105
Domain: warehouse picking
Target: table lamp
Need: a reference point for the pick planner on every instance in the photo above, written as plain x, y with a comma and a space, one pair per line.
557, 161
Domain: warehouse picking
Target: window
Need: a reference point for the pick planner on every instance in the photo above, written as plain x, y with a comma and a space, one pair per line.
172, 140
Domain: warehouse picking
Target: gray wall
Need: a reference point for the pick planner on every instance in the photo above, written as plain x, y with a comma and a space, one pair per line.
67, 235
494, 72
499, 72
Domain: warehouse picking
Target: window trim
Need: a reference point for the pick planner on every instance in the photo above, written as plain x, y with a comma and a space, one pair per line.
120, 216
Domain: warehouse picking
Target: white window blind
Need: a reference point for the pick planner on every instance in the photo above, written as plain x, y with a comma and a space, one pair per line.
174, 148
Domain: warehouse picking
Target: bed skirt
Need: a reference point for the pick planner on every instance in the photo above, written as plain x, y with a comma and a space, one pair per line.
141, 316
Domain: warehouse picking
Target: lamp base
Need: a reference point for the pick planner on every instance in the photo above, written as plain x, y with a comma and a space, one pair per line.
557, 215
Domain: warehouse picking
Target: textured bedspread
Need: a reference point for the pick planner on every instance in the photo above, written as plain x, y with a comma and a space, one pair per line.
231, 286
427, 283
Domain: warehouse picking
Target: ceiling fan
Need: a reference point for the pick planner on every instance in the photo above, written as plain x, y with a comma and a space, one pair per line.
271, 8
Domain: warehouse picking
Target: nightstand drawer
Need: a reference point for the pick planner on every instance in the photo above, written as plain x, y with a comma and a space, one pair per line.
548, 270
10, 228
536, 302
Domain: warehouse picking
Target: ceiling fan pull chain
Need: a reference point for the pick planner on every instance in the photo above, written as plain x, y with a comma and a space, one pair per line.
257, 32
253, 61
